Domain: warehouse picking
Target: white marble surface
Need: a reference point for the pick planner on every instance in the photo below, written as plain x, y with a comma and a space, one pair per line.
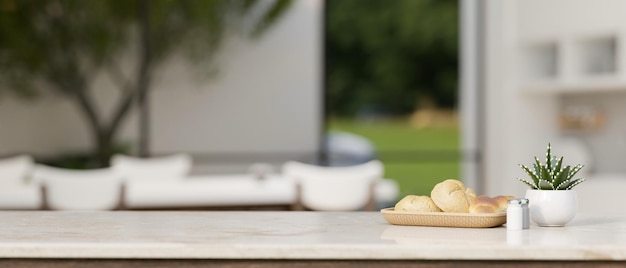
294, 235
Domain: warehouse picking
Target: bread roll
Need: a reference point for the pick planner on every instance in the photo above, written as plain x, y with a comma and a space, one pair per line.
452, 196
503, 201
486, 204
416, 203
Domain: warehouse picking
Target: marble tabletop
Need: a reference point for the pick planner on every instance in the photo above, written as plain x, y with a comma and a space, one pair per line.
294, 235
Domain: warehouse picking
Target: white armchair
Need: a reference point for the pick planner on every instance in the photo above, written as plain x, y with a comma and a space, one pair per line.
335, 188
17, 189
169, 167
68, 189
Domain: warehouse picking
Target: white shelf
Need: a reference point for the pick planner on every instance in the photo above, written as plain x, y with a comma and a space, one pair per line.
597, 56
573, 65
541, 61
588, 85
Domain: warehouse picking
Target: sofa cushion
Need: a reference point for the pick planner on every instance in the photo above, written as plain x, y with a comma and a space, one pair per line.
174, 167
15, 171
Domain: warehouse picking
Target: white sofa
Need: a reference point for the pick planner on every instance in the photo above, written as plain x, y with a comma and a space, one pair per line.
71, 189
153, 183
336, 188
17, 189
169, 167
164, 182
211, 191
171, 187
235, 190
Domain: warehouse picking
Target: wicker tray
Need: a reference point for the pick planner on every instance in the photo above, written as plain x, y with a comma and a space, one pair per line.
444, 219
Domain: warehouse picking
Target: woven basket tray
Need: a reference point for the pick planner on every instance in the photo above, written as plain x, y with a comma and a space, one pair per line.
444, 219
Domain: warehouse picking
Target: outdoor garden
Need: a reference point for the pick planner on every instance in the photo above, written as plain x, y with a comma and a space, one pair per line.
392, 78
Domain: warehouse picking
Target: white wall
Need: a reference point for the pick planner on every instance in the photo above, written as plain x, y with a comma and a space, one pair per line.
516, 125
266, 99
554, 18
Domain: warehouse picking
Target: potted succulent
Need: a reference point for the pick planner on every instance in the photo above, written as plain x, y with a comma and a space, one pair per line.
552, 200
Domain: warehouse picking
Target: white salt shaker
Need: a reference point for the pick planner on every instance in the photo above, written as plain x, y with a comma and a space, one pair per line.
525, 213
514, 215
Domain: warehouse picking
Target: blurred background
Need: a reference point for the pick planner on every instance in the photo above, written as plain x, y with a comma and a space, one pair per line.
546, 74
434, 89
335, 83
392, 77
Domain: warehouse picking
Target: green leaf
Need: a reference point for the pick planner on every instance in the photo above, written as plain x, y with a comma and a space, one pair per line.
574, 171
532, 175
558, 164
572, 184
561, 175
530, 184
545, 175
537, 166
549, 158
545, 185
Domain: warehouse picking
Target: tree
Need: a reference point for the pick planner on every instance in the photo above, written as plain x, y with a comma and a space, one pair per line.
61, 45
388, 56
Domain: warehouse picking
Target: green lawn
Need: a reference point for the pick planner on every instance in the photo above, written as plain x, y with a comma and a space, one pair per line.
416, 158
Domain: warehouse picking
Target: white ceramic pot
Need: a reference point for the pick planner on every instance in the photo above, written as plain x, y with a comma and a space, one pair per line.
552, 207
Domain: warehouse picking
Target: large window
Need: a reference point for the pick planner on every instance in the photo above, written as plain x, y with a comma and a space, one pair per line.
391, 77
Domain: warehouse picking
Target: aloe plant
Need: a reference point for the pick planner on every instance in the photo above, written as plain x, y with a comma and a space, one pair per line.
551, 175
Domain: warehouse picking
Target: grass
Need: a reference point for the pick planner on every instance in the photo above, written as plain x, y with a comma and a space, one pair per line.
417, 158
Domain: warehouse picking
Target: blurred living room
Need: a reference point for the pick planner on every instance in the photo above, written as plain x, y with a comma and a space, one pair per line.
231, 105
201, 105
303, 133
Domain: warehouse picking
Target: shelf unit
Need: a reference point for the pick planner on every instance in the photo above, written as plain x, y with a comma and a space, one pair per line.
591, 63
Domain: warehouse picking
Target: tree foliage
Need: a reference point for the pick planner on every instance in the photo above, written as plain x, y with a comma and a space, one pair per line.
62, 45
390, 56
